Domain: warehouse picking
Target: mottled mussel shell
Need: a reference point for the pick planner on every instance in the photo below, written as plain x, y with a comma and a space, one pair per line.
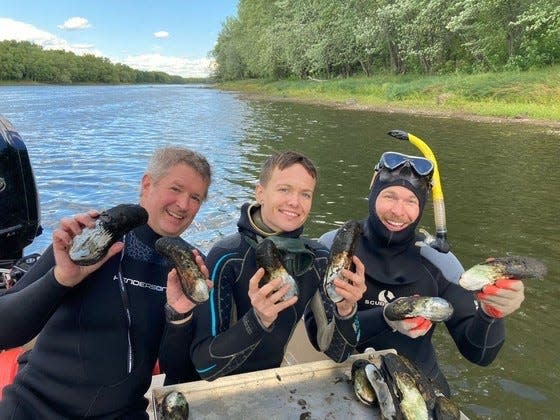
174, 406
179, 252
518, 267
92, 244
362, 386
446, 409
434, 308
268, 257
340, 257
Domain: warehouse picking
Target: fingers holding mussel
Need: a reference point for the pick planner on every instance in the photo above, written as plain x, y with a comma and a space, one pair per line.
180, 253
514, 267
340, 257
268, 257
434, 308
174, 406
92, 244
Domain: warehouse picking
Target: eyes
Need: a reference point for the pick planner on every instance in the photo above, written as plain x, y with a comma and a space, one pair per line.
307, 195
409, 200
194, 197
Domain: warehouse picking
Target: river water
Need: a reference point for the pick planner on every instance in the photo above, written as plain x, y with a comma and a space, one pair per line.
89, 146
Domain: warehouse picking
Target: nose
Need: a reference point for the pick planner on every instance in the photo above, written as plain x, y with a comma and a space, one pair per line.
397, 208
184, 202
293, 199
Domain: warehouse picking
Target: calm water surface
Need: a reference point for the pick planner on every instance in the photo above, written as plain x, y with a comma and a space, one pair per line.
90, 145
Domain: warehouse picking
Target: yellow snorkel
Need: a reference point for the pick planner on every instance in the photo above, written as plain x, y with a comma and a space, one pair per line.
440, 241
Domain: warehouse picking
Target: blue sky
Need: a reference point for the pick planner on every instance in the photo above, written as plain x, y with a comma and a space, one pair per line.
169, 35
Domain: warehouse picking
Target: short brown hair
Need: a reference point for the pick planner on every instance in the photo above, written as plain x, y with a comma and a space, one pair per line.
284, 160
165, 158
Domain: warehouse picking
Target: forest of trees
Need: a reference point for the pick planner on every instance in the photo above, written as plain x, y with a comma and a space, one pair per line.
27, 62
340, 38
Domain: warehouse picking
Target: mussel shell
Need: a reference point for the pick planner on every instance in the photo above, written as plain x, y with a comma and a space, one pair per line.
434, 308
487, 272
268, 257
362, 386
92, 244
412, 404
397, 363
340, 257
193, 281
446, 409
174, 406
386, 399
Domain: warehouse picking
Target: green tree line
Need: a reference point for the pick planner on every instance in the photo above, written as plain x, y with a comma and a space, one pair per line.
341, 38
27, 62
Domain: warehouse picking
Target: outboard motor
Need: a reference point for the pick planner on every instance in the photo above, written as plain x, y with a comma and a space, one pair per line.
19, 203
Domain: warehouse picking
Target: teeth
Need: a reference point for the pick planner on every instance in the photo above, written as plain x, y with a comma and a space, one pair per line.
175, 215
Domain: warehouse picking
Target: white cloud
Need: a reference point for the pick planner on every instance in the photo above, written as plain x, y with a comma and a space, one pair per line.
161, 34
19, 31
75, 23
172, 65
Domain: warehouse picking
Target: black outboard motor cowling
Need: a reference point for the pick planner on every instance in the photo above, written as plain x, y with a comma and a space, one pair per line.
19, 202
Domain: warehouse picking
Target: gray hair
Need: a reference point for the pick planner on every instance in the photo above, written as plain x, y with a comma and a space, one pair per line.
167, 157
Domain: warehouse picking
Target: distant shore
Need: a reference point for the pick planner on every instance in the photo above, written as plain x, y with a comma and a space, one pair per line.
529, 97
353, 105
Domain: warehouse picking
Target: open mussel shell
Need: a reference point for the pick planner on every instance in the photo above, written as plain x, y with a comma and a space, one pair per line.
179, 252
340, 257
174, 406
518, 267
362, 386
434, 308
92, 244
268, 257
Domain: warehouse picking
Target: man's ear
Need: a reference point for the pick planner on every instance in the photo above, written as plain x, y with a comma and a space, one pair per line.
259, 192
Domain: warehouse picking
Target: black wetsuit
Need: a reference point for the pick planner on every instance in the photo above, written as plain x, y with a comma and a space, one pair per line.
78, 367
405, 272
222, 346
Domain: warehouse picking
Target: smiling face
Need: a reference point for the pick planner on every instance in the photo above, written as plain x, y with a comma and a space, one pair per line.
397, 207
173, 201
286, 198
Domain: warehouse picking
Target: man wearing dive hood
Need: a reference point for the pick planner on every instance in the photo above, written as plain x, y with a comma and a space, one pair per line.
396, 267
244, 327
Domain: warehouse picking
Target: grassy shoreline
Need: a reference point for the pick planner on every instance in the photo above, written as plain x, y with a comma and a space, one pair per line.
528, 97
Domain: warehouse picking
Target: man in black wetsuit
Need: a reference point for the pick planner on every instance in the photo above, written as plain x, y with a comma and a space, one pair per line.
396, 267
244, 327
100, 326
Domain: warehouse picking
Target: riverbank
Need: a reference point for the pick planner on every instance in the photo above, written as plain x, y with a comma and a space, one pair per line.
514, 97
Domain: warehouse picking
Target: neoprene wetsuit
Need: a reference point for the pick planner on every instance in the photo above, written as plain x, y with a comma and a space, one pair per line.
78, 366
222, 346
477, 336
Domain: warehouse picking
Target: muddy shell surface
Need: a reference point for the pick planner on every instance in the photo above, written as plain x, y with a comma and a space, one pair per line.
486, 273
340, 257
434, 308
174, 406
179, 252
268, 257
92, 244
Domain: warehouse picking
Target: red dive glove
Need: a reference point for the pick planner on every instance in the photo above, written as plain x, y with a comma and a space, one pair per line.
501, 298
412, 327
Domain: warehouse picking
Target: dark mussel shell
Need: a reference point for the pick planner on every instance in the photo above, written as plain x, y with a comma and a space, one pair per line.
397, 363
268, 257
179, 252
434, 308
340, 257
92, 244
174, 406
362, 386
487, 272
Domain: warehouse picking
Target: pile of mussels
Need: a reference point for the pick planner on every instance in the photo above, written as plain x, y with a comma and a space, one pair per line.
400, 390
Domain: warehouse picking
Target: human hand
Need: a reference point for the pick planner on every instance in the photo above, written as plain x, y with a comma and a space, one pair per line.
413, 327
351, 288
501, 298
267, 301
66, 272
176, 298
